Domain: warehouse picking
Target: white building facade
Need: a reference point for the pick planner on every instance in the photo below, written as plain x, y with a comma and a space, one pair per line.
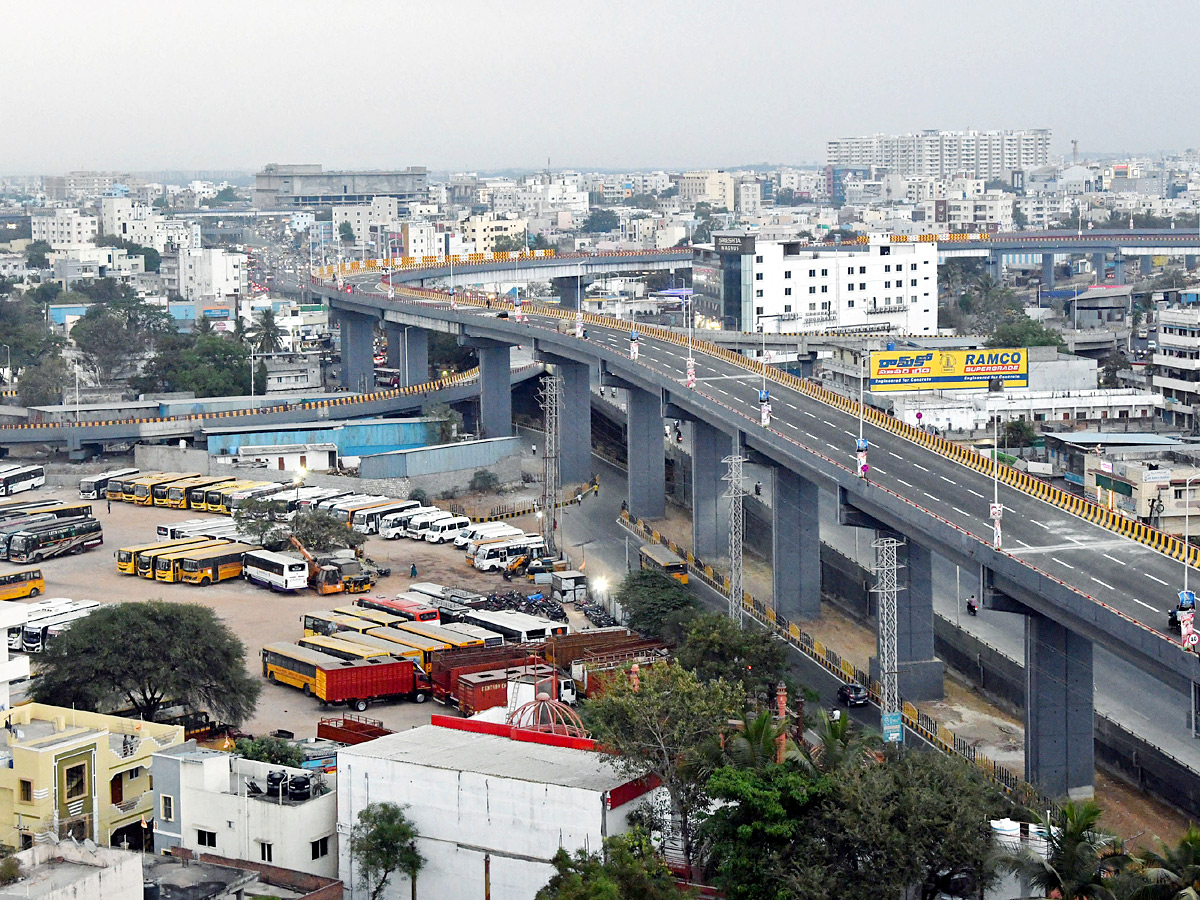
63, 229
945, 154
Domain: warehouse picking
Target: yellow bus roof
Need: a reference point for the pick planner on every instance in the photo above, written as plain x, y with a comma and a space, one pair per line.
210, 552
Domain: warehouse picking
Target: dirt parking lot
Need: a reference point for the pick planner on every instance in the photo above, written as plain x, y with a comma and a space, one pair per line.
256, 615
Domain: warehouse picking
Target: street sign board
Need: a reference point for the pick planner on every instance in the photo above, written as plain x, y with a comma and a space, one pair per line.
893, 727
997, 510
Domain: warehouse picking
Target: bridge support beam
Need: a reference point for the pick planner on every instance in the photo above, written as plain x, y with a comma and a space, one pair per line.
647, 459
571, 289
1145, 265
1047, 270
408, 351
796, 538
575, 437
995, 263
358, 351
710, 510
1119, 269
495, 386
1059, 726
920, 673
1189, 261
1098, 265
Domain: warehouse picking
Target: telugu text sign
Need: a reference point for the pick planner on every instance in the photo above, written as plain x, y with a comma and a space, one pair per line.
947, 370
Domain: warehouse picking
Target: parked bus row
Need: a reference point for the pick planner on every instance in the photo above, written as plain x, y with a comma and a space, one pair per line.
15, 478
41, 537
207, 556
47, 619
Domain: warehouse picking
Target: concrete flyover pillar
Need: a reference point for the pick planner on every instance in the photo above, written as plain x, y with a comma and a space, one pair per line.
1189, 261
1098, 266
995, 264
358, 351
1146, 265
408, 351
919, 672
796, 538
647, 458
495, 389
1119, 269
710, 510
1059, 743
570, 289
575, 435
1047, 270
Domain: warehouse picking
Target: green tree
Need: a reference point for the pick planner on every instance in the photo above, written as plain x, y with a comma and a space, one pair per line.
841, 745
36, 255
446, 425
346, 232
755, 744
1019, 433
1020, 220
506, 243
660, 725
258, 518
1173, 872
150, 256
714, 646
600, 220
209, 365
1080, 857
655, 604
484, 481
629, 869
320, 532
1021, 331
102, 335
203, 326
23, 325
266, 336
161, 202
383, 841
147, 656
268, 749
227, 195
42, 384
447, 355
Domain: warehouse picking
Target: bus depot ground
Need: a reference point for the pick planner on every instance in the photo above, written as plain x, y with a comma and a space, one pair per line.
259, 616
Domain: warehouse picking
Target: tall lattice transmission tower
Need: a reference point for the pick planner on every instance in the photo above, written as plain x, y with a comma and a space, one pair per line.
886, 588
734, 494
550, 396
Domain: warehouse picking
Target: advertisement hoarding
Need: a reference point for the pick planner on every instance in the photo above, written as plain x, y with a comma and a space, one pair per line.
947, 370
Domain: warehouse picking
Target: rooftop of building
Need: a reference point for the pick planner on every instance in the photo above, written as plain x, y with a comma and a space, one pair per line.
38, 726
250, 777
1109, 439
314, 425
192, 880
55, 869
532, 757
252, 449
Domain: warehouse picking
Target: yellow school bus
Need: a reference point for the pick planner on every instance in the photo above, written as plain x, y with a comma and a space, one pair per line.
199, 497
375, 616
343, 648
18, 585
142, 492
455, 640
224, 503
425, 646
660, 559
127, 556
174, 494
122, 488
215, 564
329, 623
165, 566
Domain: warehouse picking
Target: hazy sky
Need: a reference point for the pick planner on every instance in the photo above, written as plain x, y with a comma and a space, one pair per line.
609, 84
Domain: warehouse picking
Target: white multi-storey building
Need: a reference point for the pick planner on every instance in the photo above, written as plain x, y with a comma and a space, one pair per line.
63, 229
382, 213
944, 154
143, 225
747, 282
482, 231
206, 274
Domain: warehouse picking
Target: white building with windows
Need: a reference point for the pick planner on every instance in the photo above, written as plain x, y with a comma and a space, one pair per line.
63, 229
216, 803
143, 225
944, 154
206, 274
750, 281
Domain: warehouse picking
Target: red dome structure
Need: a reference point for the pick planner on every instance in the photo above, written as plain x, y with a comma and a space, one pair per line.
547, 716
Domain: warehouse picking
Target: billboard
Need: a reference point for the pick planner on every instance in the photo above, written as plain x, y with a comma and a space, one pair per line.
947, 370
740, 244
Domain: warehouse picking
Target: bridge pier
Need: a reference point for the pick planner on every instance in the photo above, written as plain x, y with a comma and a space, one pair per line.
1098, 265
575, 436
995, 264
1189, 261
920, 674
1146, 265
571, 289
1119, 269
358, 351
408, 351
1047, 270
710, 510
644, 450
796, 539
495, 386
1059, 726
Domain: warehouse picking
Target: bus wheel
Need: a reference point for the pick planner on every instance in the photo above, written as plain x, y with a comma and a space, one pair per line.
34, 592
358, 705
271, 677
205, 582
308, 690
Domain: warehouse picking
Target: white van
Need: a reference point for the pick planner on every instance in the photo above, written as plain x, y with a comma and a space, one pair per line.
497, 556
443, 530
396, 525
477, 532
417, 525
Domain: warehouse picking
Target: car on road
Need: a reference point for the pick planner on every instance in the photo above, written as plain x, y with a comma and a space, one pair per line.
853, 694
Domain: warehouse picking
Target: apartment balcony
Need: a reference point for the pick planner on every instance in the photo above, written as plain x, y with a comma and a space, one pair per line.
1188, 388
1180, 363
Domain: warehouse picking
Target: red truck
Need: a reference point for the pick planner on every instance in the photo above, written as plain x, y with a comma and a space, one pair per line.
350, 729
353, 682
478, 691
447, 666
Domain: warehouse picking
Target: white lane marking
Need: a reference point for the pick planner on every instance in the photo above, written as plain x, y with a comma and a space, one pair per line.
1147, 605
1114, 559
921, 467
1039, 524
807, 413
879, 470
897, 455
850, 433
1101, 583
790, 406
830, 424
1061, 563
976, 493
931, 497
1025, 545
1075, 539
1152, 578
903, 482
944, 478
961, 512
811, 435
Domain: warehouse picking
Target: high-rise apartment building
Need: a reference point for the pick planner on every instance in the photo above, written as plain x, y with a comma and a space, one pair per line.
945, 154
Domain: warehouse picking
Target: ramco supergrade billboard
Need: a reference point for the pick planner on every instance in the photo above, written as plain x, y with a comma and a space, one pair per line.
947, 370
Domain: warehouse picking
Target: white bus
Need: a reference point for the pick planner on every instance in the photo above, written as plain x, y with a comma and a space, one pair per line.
516, 627
442, 530
418, 525
39, 609
93, 486
482, 529
24, 479
39, 632
172, 530
492, 557
261, 492
278, 571
309, 501
396, 525
477, 544
330, 502
366, 521
489, 638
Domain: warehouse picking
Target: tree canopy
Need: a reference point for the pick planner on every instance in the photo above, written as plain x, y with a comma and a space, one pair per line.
208, 364
714, 646
36, 255
1022, 331
656, 605
146, 656
319, 532
346, 232
42, 383
265, 336
600, 220
23, 324
383, 841
628, 869
269, 750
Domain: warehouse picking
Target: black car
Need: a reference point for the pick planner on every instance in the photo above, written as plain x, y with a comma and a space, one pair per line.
853, 694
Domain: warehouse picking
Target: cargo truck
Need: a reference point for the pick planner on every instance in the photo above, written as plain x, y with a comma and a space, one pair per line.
356, 683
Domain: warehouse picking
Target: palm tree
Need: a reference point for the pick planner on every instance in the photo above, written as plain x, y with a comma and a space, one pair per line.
203, 326
755, 743
239, 332
1173, 874
266, 336
1080, 860
840, 746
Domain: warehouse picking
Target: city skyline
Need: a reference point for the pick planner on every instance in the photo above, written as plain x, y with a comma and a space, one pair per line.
677, 86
